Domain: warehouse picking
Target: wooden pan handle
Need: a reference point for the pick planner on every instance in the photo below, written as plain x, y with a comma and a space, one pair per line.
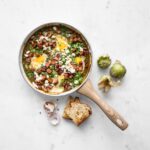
88, 90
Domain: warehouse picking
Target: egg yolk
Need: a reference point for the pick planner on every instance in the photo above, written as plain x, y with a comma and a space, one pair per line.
61, 43
36, 62
78, 60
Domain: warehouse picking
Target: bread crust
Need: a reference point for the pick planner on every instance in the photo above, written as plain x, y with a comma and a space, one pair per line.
76, 111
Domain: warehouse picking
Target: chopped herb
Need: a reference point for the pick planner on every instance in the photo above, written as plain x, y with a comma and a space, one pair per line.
78, 75
63, 60
52, 67
36, 50
30, 74
44, 73
30, 47
53, 74
63, 29
77, 45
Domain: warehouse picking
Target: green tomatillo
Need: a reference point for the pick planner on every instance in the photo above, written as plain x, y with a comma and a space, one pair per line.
104, 61
117, 70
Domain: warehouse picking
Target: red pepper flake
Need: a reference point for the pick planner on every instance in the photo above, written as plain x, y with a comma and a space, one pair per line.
55, 81
48, 64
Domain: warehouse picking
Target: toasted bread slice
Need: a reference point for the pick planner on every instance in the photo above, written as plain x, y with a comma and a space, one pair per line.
76, 111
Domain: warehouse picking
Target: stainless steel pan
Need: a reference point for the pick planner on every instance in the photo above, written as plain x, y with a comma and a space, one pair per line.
85, 88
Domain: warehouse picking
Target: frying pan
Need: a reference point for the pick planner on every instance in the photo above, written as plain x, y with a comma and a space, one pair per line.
85, 88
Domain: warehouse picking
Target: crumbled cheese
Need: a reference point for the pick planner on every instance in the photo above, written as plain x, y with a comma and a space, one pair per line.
63, 66
65, 70
26, 55
55, 75
45, 33
48, 48
44, 37
53, 36
73, 54
38, 77
71, 84
63, 54
68, 35
81, 49
44, 47
54, 28
67, 66
71, 69
46, 83
67, 51
27, 52
60, 62
33, 83
68, 60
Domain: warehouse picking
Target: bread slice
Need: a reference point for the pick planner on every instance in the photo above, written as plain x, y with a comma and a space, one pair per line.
76, 111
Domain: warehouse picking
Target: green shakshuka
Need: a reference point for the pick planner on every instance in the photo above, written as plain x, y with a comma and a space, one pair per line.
56, 59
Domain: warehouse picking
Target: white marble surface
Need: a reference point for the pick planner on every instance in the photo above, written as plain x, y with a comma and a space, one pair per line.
119, 28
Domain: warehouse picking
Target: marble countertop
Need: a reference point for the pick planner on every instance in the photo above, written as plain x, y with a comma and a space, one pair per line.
118, 28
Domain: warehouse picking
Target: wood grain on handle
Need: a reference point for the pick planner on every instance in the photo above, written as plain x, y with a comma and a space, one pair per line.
88, 90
